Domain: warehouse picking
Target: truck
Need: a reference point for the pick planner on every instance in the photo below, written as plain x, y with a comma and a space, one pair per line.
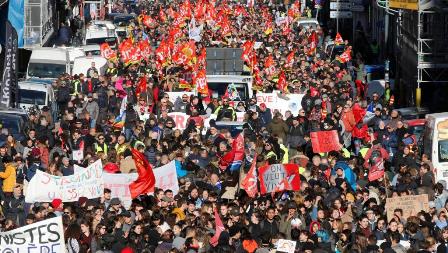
435, 142
35, 94
50, 63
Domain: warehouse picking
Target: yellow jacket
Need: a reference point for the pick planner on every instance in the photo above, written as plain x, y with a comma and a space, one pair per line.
180, 214
9, 176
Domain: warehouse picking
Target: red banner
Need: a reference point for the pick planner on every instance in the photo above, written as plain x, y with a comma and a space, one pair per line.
325, 141
279, 177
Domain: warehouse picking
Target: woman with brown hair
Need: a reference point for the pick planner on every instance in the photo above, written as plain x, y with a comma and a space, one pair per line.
53, 170
72, 239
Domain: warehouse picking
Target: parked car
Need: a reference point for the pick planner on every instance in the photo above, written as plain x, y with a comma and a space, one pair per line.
14, 120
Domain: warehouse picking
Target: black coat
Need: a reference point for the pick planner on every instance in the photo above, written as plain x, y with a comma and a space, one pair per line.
14, 209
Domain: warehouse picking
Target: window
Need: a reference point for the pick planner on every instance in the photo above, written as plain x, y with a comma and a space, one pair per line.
45, 70
443, 151
219, 90
32, 97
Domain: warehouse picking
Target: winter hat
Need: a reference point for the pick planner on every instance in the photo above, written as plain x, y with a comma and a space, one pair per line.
56, 203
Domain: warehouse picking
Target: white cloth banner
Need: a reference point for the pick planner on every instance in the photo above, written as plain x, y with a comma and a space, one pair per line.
181, 119
42, 236
293, 102
44, 187
166, 177
119, 186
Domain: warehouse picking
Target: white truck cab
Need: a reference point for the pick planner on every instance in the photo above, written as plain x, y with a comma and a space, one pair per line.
35, 94
50, 63
435, 143
100, 32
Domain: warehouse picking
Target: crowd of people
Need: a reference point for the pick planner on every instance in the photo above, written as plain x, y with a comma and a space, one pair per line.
106, 116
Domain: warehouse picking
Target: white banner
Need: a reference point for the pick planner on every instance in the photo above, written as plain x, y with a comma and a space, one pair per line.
119, 186
166, 177
181, 119
44, 187
293, 102
43, 236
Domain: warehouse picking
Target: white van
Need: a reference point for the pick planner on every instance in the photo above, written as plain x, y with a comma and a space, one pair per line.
50, 63
436, 143
35, 94
82, 64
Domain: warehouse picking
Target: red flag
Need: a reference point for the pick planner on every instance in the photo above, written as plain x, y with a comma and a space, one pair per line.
290, 59
202, 57
126, 49
269, 66
146, 179
218, 230
247, 50
313, 43
145, 49
185, 10
107, 52
345, 57
149, 22
200, 81
238, 152
249, 183
338, 40
282, 85
279, 177
141, 87
325, 141
162, 15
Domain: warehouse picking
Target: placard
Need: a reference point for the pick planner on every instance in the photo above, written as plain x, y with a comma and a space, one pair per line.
404, 4
44, 187
410, 204
325, 141
42, 236
286, 246
166, 177
78, 155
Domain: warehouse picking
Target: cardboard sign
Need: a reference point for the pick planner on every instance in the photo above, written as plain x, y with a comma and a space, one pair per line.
44, 187
286, 246
119, 186
410, 205
325, 141
42, 236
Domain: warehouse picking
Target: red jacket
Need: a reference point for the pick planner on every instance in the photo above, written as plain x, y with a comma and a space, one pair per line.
348, 119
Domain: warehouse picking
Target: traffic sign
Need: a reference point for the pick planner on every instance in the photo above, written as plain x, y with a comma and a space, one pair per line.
340, 5
341, 14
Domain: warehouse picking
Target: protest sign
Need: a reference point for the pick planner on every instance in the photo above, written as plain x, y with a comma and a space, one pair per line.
279, 177
325, 141
410, 204
44, 187
289, 102
286, 246
119, 186
78, 155
42, 236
